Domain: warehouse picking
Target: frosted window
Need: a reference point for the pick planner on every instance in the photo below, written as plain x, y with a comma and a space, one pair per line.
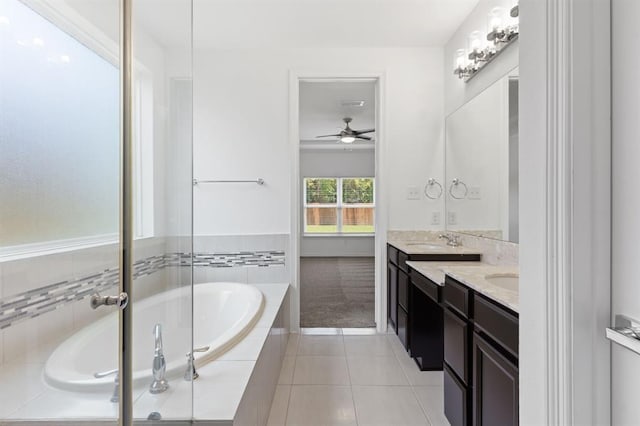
59, 133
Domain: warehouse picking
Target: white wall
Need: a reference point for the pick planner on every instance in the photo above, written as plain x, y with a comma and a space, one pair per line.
241, 131
336, 163
457, 92
625, 291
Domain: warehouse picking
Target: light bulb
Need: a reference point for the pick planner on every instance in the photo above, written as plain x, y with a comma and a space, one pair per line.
496, 19
347, 139
475, 41
460, 59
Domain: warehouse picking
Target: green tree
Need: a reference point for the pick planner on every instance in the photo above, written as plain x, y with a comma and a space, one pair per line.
322, 191
357, 191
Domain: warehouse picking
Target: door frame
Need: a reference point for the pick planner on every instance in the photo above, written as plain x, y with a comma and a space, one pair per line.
565, 211
381, 213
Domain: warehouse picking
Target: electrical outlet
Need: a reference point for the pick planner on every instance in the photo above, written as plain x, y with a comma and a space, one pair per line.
435, 218
452, 218
474, 193
413, 193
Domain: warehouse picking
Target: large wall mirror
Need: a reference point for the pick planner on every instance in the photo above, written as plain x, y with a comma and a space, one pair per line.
482, 163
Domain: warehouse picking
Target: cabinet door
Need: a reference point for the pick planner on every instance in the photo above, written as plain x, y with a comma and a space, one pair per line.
392, 295
456, 344
403, 290
403, 327
495, 390
456, 407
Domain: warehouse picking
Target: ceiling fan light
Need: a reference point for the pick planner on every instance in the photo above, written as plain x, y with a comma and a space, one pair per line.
347, 139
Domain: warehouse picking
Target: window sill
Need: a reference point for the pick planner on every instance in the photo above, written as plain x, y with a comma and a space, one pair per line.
27, 251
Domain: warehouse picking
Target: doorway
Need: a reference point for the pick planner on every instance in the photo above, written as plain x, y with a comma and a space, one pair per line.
336, 199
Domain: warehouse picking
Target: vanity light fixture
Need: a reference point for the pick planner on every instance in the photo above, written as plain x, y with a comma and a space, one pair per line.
502, 30
460, 64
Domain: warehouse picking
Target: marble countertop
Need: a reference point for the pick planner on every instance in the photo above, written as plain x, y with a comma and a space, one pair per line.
473, 275
434, 270
430, 247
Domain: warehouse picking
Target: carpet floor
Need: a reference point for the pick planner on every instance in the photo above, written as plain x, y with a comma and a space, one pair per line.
337, 292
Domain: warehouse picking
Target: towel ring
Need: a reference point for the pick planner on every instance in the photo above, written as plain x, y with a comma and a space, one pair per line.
456, 182
432, 182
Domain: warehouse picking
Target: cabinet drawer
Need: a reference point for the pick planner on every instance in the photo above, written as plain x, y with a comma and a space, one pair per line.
403, 327
456, 296
402, 261
392, 254
456, 344
456, 399
403, 290
427, 286
497, 323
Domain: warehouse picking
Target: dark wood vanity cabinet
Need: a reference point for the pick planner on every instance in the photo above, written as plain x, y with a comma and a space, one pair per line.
480, 359
416, 321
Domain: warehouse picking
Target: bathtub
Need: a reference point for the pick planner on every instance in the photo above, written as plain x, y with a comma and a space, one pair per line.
223, 313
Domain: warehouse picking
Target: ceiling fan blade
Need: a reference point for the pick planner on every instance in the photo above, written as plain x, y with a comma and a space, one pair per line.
329, 136
359, 132
364, 138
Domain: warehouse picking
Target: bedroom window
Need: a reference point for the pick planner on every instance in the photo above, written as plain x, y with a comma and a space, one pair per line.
339, 205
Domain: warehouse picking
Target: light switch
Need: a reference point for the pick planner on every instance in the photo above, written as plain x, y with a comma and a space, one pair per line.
413, 193
474, 193
452, 218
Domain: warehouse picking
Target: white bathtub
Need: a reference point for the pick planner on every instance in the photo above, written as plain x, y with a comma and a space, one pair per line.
223, 314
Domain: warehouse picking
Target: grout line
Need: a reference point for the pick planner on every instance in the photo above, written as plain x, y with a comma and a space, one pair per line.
353, 400
413, 391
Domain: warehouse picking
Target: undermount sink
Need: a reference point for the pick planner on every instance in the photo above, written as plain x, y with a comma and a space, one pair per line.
426, 246
505, 281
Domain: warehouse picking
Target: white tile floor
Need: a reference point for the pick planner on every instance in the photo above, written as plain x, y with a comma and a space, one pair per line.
355, 380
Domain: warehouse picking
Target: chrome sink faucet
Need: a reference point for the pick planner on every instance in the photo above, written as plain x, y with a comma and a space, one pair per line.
159, 368
452, 239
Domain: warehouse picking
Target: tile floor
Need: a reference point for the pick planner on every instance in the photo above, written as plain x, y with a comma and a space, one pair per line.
355, 380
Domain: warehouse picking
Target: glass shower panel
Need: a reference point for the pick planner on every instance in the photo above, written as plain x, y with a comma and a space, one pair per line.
59, 208
60, 117
162, 299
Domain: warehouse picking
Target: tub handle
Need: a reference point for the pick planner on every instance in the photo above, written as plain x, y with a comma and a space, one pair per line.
191, 374
105, 373
202, 349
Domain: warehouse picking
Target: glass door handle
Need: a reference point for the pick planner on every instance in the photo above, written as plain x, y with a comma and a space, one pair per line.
119, 301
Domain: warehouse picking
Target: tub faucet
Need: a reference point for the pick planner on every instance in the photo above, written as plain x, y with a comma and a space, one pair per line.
159, 366
191, 373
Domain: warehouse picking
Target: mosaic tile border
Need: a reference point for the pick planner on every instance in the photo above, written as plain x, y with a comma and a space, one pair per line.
33, 303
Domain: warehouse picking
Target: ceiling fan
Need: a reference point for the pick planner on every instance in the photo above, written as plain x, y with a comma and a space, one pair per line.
349, 135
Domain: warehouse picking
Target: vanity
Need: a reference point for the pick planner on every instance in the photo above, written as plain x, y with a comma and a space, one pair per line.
455, 309
401, 294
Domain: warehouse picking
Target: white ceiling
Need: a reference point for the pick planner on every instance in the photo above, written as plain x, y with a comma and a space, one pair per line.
322, 109
304, 23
